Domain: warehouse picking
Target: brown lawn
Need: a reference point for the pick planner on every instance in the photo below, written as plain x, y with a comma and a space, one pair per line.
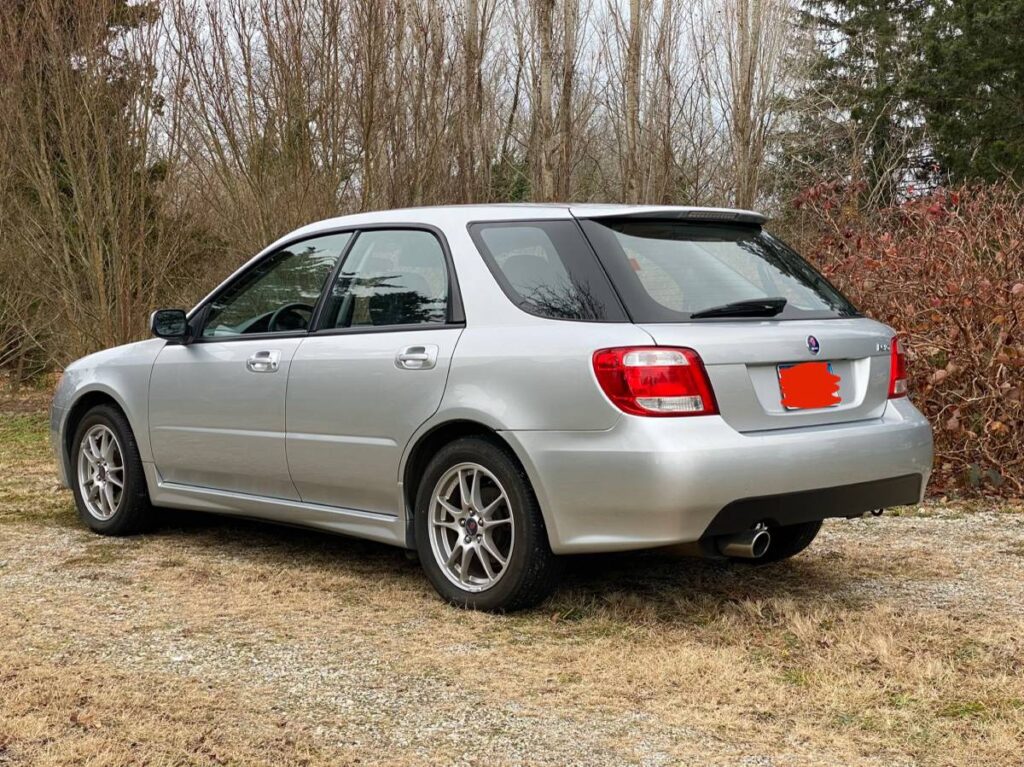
892, 641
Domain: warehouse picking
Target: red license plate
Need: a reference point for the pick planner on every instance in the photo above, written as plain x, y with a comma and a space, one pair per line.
808, 385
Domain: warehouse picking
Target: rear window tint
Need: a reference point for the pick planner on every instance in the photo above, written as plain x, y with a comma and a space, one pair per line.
548, 269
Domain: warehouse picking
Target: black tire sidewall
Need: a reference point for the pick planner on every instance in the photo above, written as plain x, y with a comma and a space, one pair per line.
519, 586
131, 515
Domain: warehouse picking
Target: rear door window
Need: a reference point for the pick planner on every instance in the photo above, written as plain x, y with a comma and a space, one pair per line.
390, 278
548, 269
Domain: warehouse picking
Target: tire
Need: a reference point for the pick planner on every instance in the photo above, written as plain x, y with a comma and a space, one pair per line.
513, 528
126, 510
786, 542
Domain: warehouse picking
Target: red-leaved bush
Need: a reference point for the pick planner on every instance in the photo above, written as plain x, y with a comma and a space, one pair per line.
947, 271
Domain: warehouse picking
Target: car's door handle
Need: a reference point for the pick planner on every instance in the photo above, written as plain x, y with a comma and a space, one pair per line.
417, 357
264, 362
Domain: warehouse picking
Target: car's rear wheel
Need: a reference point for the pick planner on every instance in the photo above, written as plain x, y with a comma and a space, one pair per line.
107, 477
479, 530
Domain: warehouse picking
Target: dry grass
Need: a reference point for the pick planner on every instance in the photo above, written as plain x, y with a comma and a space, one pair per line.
892, 641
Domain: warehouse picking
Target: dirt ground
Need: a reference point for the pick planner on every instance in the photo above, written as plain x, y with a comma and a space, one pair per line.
892, 641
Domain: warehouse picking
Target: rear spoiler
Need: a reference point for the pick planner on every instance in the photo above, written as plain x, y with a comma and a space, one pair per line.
653, 212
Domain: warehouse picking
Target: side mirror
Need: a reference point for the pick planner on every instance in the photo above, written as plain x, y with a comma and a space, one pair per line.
171, 325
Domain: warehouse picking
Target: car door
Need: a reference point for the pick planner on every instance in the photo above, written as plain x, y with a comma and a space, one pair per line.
373, 371
217, 405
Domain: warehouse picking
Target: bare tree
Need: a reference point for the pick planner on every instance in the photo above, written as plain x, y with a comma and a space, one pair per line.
749, 79
89, 238
161, 155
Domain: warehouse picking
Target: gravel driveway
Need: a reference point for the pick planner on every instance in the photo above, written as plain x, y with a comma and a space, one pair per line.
892, 641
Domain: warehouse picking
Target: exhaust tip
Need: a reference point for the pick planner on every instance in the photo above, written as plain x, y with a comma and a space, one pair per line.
750, 544
758, 547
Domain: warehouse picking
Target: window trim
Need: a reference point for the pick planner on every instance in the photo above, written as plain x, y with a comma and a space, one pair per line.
456, 312
617, 312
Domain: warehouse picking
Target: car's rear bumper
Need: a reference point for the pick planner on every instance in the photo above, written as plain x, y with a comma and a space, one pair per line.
659, 481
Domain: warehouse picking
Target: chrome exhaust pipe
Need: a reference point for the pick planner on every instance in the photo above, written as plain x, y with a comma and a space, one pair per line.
750, 544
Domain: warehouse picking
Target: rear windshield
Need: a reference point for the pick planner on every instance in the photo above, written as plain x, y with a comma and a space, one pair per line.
665, 271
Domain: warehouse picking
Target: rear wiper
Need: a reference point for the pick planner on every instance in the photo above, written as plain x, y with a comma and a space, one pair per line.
754, 307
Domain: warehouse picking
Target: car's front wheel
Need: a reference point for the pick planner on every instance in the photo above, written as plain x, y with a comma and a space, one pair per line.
479, 530
107, 478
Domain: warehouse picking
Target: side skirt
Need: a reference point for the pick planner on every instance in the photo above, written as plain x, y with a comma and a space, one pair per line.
374, 526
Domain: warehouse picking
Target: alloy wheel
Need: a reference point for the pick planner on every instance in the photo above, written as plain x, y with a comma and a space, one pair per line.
471, 529
101, 472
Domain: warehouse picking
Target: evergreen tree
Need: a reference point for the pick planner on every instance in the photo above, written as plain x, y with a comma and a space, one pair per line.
856, 103
971, 87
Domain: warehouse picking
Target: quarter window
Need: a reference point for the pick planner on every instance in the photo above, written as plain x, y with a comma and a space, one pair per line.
390, 277
548, 269
279, 293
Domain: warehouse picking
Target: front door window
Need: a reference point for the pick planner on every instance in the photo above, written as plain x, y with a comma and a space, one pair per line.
278, 294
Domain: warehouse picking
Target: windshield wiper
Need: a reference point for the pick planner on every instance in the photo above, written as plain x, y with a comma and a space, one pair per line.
754, 307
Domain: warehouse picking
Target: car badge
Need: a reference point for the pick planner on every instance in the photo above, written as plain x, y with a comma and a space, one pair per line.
813, 345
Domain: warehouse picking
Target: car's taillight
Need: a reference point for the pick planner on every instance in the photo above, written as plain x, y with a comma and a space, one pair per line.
655, 381
897, 370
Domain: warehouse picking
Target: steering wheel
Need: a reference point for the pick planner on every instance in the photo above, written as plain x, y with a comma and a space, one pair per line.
292, 309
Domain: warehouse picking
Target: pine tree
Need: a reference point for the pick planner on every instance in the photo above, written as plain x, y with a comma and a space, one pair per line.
971, 87
855, 107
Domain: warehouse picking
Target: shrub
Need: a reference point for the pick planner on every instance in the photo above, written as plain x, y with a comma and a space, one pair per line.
946, 270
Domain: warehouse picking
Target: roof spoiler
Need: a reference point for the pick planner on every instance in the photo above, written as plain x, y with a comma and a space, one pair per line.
677, 214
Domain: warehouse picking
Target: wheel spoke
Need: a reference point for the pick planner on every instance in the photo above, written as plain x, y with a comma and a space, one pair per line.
484, 560
487, 511
456, 550
464, 492
93, 451
475, 501
495, 522
444, 504
108, 494
467, 557
489, 547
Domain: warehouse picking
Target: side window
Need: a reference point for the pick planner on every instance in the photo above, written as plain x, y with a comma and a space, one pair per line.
278, 294
547, 268
390, 277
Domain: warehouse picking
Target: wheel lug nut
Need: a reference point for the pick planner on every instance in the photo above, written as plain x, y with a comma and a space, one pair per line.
479, 538
462, 522
469, 538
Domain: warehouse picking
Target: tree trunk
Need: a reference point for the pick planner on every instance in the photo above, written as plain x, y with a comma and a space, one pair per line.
543, 176
570, 24
631, 180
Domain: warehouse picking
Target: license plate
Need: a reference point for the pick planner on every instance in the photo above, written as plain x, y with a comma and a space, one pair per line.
808, 385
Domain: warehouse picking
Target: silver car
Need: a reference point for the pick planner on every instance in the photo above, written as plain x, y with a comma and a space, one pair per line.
496, 386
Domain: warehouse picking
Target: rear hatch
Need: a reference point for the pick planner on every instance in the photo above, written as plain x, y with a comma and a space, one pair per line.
743, 360
752, 308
